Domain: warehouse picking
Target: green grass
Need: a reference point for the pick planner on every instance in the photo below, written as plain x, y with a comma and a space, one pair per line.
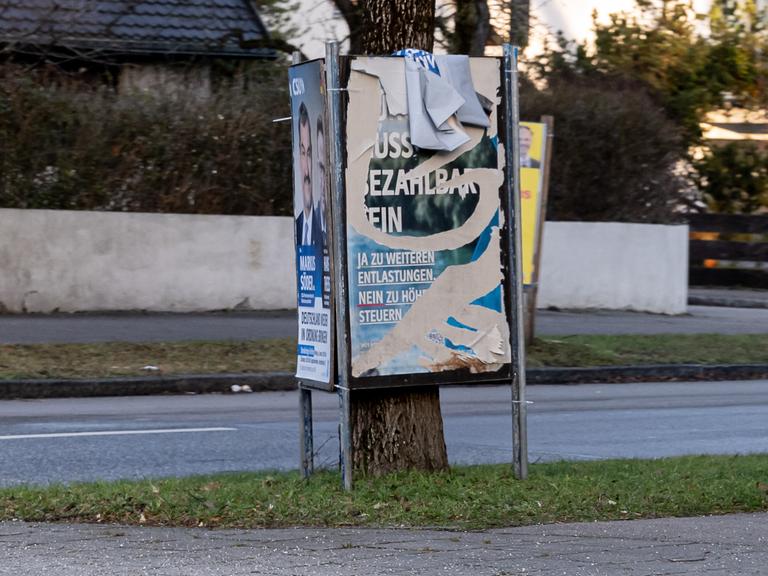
649, 349
129, 359
475, 497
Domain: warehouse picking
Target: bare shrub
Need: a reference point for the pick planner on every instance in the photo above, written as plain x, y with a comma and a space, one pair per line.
73, 144
615, 153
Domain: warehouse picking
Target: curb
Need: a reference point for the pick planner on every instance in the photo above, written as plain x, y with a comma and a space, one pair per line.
648, 373
285, 381
144, 386
727, 302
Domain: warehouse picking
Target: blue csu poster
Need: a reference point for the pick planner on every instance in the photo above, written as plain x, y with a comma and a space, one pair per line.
312, 228
423, 225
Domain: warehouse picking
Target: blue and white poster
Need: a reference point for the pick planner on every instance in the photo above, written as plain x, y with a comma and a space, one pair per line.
312, 228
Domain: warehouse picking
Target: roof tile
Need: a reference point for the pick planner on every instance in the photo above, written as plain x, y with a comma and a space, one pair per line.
202, 26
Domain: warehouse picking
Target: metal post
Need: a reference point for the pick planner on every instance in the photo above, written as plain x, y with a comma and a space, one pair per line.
306, 442
345, 440
338, 199
514, 270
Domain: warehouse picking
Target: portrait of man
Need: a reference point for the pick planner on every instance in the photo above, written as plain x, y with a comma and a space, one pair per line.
322, 211
321, 181
526, 139
307, 223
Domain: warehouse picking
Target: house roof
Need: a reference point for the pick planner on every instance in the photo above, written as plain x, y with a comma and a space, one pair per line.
130, 27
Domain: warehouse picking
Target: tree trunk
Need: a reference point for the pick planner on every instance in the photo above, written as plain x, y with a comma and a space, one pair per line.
352, 12
390, 25
471, 27
519, 22
397, 429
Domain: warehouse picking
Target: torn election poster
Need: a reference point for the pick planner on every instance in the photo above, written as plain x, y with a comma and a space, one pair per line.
423, 231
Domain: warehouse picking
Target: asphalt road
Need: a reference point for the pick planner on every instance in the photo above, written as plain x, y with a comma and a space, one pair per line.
60, 328
68, 440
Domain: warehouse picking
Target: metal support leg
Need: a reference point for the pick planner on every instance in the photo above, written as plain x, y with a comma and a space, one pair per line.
338, 200
514, 270
345, 439
306, 438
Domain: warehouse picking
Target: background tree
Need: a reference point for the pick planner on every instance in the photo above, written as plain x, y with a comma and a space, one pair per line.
734, 178
352, 12
514, 21
395, 24
737, 62
276, 15
662, 52
468, 26
615, 154
662, 45
465, 26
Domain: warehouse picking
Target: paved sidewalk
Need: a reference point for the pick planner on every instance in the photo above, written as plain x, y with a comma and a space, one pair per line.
716, 546
728, 297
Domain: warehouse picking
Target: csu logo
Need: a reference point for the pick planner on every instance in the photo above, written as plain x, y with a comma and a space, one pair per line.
297, 86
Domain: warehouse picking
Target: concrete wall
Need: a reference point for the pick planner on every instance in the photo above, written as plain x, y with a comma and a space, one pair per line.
71, 261
166, 80
78, 261
614, 266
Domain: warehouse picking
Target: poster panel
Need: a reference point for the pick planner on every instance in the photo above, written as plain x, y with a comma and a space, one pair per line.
533, 138
424, 235
312, 224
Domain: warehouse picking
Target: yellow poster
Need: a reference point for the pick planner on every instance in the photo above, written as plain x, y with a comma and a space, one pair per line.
532, 150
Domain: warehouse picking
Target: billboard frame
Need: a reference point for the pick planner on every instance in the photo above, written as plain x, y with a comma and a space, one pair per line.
513, 373
343, 307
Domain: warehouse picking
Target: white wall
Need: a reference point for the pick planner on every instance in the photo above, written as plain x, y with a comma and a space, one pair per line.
78, 261
165, 80
640, 267
74, 261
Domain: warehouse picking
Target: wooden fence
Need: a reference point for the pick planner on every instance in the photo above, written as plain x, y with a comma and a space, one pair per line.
729, 250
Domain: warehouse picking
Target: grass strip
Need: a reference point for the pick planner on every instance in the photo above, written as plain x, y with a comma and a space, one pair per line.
130, 359
628, 350
474, 497
111, 359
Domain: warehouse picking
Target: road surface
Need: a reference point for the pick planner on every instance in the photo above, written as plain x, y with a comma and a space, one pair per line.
60, 328
66, 440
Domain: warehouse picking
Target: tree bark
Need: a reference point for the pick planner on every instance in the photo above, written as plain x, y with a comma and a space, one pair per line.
397, 429
390, 25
